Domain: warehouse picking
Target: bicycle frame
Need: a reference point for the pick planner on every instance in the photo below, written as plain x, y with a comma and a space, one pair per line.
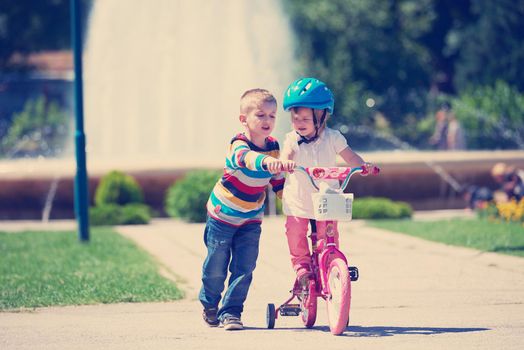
323, 260
329, 264
322, 257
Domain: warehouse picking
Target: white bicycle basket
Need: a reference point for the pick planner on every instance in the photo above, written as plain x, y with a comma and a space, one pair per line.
332, 206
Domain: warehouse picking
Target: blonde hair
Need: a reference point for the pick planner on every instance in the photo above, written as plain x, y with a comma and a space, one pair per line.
254, 98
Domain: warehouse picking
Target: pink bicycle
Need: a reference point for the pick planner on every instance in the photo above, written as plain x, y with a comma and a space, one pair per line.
331, 275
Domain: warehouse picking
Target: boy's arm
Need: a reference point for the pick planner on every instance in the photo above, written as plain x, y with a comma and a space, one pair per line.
278, 180
241, 156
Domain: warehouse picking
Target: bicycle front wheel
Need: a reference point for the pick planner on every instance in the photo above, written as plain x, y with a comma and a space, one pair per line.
339, 301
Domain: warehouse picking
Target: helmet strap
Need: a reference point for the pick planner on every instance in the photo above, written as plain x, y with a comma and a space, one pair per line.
322, 119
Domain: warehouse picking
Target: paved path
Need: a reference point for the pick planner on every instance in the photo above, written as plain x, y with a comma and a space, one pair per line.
412, 294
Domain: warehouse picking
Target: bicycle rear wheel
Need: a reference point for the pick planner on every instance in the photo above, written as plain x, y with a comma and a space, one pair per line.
339, 302
308, 304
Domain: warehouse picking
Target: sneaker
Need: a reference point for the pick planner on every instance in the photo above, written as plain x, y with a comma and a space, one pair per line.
303, 276
210, 317
232, 323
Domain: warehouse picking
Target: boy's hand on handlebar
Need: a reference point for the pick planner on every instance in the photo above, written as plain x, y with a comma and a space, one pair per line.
369, 168
288, 165
273, 165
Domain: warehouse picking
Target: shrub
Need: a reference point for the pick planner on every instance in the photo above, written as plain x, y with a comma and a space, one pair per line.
186, 198
135, 214
109, 214
112, 214
119, 201
405, 209
380, 208
118, 188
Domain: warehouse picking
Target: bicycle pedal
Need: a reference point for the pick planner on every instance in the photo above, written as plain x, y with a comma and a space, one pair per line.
353, 273
289, 310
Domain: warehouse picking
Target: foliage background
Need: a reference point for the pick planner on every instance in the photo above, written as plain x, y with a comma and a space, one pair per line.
390, 63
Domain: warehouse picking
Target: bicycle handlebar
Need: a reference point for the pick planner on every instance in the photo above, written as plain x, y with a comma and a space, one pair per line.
335, 173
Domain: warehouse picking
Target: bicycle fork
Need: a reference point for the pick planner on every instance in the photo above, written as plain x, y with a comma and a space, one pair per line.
327, 253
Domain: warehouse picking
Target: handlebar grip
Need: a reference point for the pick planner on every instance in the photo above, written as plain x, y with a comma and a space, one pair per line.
373, 170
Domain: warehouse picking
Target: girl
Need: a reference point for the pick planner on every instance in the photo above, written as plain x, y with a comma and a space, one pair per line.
310, 144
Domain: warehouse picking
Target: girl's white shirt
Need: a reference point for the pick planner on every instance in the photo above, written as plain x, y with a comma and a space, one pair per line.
296, 198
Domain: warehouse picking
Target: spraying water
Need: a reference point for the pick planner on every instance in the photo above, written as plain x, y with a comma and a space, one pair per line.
48, 205
164, 78
502, 127
402, 145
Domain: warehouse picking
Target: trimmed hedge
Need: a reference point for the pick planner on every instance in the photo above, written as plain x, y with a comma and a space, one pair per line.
118, 188
119, 201
186, 199
112, 214
380, 208
372, 208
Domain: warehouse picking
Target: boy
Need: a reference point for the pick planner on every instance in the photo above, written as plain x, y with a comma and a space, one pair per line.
235, 210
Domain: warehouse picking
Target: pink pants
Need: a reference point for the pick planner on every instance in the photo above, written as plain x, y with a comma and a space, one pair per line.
296, 232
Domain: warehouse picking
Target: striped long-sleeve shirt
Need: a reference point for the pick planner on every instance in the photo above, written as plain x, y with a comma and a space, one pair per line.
238, 197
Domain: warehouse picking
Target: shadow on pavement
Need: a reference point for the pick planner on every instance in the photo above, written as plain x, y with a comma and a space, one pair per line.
379, 331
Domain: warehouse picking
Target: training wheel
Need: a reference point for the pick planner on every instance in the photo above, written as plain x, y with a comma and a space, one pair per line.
270, 316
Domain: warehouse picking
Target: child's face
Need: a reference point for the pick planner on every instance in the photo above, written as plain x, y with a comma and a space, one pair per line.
302, 120
260, 121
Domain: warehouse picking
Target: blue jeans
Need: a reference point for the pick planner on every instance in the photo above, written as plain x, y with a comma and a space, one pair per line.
233, 247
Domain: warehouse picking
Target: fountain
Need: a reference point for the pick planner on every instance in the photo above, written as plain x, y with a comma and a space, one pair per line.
163, 80
162, 86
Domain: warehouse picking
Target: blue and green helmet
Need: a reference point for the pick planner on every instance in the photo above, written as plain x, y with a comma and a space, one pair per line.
309, 92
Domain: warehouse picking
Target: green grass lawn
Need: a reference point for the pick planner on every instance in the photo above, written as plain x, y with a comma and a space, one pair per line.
53, 268
507, 238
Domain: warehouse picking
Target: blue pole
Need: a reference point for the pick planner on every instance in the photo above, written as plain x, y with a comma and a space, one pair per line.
81, 180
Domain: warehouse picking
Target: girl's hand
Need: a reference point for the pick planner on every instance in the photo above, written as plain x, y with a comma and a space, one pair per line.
369, 168
273, 165
288, 165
